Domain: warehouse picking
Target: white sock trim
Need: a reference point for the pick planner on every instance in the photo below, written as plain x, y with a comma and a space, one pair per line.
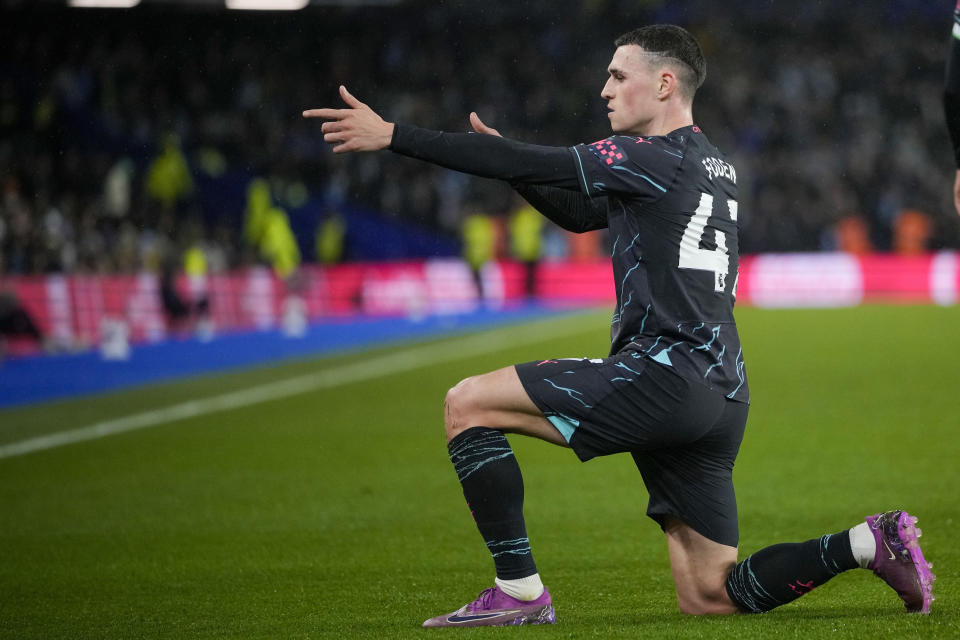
863, 544
526, 589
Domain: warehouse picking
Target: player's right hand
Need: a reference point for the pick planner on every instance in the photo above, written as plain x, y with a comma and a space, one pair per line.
479, 127
357, 128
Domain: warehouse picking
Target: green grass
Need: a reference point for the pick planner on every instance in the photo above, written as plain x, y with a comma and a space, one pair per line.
336, 514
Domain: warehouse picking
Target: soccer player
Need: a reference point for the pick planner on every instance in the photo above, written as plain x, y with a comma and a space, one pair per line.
673, 392
951, 99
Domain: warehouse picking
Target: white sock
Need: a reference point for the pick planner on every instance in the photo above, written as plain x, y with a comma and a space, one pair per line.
863, 544
526, 589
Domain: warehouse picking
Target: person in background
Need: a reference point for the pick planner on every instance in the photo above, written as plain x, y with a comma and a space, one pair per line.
526, 241
330, 237
479, 245
182, 312
168, 178
16, 321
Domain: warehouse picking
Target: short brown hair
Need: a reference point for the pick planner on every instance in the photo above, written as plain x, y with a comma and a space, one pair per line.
671, 41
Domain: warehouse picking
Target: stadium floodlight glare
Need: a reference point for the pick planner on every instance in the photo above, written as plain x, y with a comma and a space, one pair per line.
103, 4
267, 5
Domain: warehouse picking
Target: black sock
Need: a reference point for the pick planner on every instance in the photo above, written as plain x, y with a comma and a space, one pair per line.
493, 487
784, 572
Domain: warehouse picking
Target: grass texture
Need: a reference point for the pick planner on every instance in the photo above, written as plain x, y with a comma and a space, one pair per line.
335, 513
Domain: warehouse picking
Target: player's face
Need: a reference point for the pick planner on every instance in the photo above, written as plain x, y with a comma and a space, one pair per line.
631, 91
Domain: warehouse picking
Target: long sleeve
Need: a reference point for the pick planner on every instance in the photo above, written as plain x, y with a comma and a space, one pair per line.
570, 210
489, 156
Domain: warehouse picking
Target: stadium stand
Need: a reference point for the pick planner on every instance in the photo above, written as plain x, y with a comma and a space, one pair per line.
121, 143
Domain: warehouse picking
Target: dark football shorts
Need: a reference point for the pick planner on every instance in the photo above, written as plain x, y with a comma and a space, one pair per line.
684, 437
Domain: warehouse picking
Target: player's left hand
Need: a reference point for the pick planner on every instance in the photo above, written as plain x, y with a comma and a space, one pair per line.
358, 128
480, 127
956, 192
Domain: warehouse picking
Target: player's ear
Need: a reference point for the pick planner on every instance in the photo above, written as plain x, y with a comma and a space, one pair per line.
668, 84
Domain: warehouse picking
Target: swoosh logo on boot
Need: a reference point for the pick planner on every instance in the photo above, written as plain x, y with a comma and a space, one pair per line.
455, 619
892, 556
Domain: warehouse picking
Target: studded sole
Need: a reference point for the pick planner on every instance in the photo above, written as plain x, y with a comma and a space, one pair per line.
546, 615
909, 534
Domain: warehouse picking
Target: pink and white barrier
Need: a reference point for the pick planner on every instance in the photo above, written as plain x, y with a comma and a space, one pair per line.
836, 279
795, 280
74, 308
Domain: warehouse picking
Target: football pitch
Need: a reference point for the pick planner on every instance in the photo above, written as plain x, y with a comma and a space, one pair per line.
315, 499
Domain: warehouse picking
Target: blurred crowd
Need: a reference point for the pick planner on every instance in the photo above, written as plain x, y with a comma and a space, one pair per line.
116, 128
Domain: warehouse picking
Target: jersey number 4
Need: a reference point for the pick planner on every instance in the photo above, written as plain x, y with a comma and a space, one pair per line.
715, 260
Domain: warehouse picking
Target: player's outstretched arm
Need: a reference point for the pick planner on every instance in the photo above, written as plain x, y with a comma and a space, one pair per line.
360, 128
356, 128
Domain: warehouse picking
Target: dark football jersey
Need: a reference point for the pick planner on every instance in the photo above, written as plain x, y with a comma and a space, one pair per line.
672, 219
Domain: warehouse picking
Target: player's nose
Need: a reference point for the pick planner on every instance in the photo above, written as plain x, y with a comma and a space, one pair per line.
606, 93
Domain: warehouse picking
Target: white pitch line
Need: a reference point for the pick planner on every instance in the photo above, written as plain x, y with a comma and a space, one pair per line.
406, 360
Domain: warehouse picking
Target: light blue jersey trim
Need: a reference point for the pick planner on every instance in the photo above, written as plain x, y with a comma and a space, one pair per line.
583, 175
639, 175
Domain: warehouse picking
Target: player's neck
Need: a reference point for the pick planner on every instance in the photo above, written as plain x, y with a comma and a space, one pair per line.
670, 119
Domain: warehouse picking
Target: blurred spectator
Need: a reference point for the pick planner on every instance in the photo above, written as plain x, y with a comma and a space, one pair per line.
267, 228
255, 216
911, 233
526, 241
168, 178
853, 235
330, 238
278, 246
479, 245
117, 188
183, 311
16, 322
